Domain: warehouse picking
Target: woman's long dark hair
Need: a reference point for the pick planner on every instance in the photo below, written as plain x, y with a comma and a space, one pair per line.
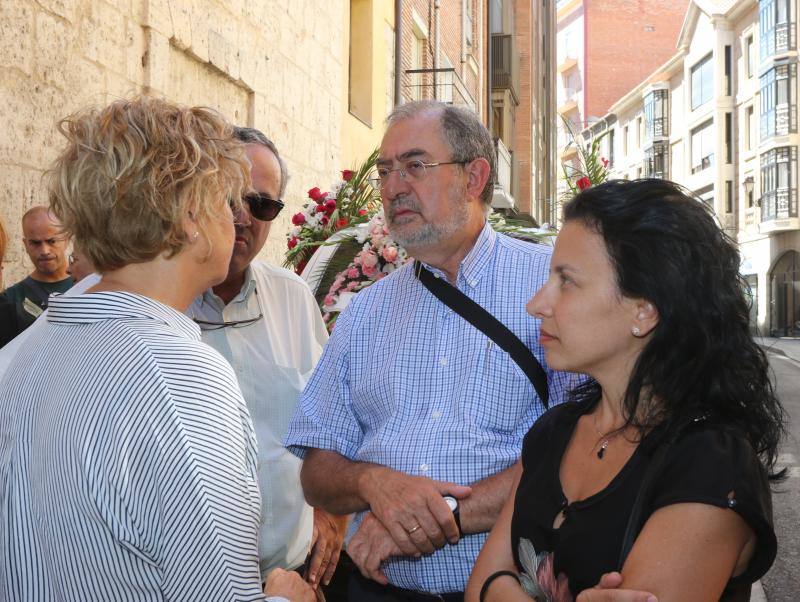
701, 359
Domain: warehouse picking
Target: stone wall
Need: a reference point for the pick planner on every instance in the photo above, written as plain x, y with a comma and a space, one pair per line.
273, 64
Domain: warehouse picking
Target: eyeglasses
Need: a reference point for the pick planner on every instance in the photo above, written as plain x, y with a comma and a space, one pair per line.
262, 206
410, 171
234, 324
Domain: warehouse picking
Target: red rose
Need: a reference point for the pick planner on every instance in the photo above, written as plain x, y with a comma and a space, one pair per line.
292, 243
324, 220
583, 183
315, 194
298, 219
362, 211
320, 209
300, 267
347, 175
330, 205
342, 222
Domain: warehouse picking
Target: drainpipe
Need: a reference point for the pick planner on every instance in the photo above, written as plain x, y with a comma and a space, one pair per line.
398, 51
436, 6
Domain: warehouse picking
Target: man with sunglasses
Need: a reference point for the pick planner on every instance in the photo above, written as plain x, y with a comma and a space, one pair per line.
418, 414
265, 322
46, 245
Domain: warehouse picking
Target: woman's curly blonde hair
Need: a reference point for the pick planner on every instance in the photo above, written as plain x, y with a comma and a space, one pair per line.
132, 172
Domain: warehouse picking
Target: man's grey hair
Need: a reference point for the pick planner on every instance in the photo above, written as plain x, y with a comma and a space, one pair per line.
254, 136
463, 132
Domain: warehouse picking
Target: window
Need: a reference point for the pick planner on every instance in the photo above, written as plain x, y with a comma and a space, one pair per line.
468, 24
728, 196
702, 82
729, 138
703, 147
639, 132
656, 114
728, 63
776, 28
360, 72
779, 183
610, 141
779, 101
625, 135
749, 129
749, 59
655, 161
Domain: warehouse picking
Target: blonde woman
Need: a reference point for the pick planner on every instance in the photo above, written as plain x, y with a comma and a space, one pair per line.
135, 478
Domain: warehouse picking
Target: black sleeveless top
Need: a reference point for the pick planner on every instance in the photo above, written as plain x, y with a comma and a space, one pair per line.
708, 464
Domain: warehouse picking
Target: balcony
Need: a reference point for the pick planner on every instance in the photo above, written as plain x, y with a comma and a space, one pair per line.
502, 197
568, 63
442, 84
505, 64
779, 204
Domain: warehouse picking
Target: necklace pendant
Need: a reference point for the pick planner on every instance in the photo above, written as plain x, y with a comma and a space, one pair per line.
602, 451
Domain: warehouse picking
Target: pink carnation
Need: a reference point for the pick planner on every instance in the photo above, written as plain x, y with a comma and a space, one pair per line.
368, 260
390, 253
369, 270
329, 300
353, 273
351, 285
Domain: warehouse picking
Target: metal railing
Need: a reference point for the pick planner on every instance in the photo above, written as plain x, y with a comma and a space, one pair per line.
505, 64
442, 84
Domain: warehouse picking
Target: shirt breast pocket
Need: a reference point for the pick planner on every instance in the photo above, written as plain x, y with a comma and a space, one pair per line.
504, 397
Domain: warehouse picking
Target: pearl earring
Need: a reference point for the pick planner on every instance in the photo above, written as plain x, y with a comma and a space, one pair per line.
635, 331
195, 236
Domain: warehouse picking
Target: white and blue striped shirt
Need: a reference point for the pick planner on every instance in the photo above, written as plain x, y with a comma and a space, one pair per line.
127, 461
407, 383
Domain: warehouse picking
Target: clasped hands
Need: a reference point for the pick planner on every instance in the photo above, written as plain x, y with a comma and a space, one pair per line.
407, 517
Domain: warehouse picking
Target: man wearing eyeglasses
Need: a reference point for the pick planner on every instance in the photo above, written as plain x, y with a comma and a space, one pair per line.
265, 322
413, 418
46, 245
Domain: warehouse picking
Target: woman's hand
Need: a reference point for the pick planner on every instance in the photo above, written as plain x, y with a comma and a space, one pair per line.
289, 585
607, 591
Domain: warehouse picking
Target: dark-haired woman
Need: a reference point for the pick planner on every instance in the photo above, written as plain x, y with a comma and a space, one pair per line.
670, 443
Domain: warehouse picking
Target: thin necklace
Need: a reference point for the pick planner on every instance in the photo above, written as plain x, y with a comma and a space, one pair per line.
604, 437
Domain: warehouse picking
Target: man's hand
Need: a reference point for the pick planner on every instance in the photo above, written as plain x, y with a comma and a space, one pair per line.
606, 591
412, 509
370, 546
326, 545
290, 585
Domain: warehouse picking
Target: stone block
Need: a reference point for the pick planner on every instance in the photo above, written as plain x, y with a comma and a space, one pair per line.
134, 52
156, 61
66, 9
55, 41
157, 15
181, 13
16, 35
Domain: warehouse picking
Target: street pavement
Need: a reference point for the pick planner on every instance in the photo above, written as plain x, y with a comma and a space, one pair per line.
782, 582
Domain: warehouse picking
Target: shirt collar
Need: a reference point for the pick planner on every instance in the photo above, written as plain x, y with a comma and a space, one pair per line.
249, 286
477, 259
114, 305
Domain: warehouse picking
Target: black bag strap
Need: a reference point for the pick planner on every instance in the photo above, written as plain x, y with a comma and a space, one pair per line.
488, 325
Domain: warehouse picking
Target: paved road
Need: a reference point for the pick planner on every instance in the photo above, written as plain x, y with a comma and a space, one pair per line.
782, 583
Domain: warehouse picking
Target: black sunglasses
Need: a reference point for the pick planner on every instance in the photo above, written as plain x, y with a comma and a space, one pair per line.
262, 206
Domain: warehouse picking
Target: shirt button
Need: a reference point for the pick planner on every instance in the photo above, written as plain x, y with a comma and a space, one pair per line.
424, 467
473, 282
436, 414
442, 361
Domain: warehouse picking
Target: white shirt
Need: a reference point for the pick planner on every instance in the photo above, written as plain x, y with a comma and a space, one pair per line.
127, 461
272, 357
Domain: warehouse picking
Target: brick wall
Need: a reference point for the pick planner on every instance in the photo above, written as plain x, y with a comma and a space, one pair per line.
273, 64
451, 20
626, 41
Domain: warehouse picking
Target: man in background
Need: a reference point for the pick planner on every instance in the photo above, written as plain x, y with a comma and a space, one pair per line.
46, 245
265, 322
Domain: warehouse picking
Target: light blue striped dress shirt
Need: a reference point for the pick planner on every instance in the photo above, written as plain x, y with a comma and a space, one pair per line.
127, 461
407, 383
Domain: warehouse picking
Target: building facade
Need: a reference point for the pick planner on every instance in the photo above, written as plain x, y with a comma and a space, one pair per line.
720, 117
603, 50
274, 65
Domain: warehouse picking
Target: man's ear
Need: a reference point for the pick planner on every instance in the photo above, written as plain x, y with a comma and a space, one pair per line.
478, 173
646, 317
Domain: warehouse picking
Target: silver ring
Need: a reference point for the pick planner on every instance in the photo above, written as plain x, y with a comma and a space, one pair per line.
413, 529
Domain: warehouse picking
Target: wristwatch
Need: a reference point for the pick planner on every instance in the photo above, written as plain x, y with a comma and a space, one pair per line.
453, 504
